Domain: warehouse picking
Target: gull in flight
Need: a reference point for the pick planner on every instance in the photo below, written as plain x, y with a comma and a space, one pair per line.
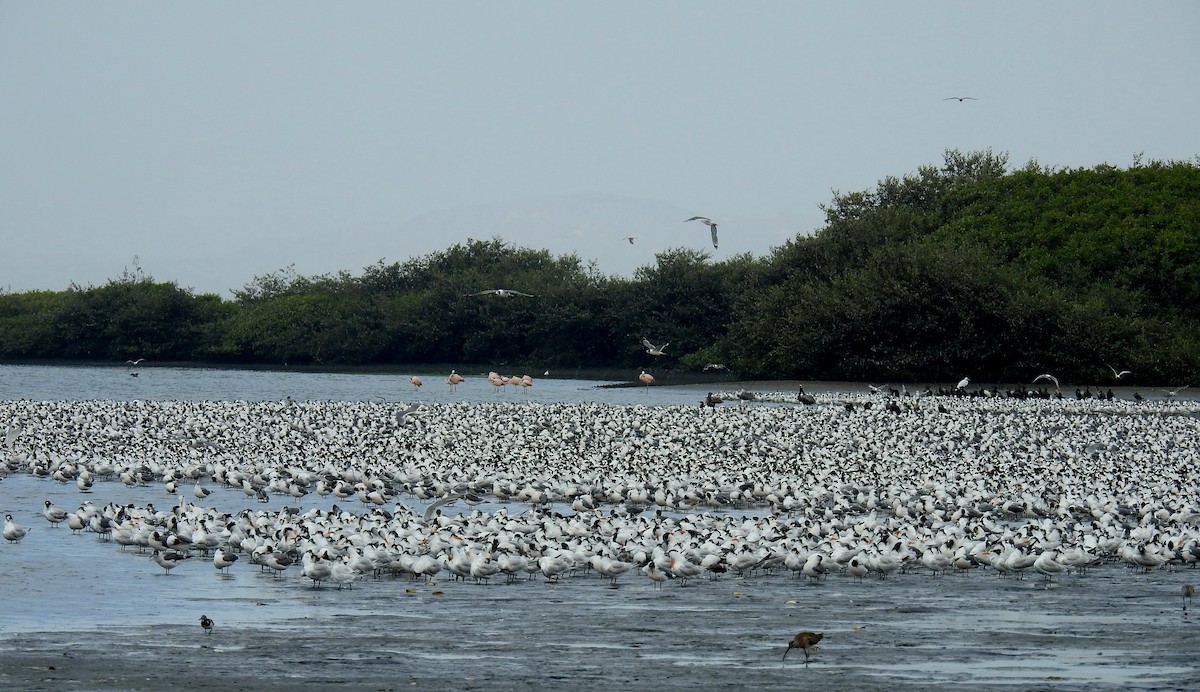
960, 99
631, 238
1174, 392
1049, 377
712, 226
654, 350
501, 293
714, 366
1120, 374
135, 362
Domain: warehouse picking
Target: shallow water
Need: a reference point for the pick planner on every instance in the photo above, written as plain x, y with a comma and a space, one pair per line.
81, 613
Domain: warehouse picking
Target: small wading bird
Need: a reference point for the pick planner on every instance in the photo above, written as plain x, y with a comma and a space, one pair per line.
206, 623
712, 226
1188, 591
960, 99
501, 293
654, 350
1048, 377
805, 641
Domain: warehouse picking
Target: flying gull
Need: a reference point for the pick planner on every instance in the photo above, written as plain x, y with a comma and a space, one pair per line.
654, 350
500, 293
712, 226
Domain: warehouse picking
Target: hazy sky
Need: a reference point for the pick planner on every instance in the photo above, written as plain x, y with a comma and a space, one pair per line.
217, 141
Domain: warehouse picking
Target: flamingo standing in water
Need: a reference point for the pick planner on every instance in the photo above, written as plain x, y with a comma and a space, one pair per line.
526, 382
454, 379
647, 378
416, 381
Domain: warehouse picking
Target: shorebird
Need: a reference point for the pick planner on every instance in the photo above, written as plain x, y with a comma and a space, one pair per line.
654, 350
962, 384
1174, 392
960, 99
712, 226
54, 514
223, 559
168, 561
501, 293
1188, 590
1047, 376
12, 532
1120, 374
805, 641
206, 623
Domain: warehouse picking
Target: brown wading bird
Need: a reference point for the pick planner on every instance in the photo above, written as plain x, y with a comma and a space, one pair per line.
1188, 591
207, 623
804, 640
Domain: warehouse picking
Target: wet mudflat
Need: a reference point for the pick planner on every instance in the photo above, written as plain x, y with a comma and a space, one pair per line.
83, 614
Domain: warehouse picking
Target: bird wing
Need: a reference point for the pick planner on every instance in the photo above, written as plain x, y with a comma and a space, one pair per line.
646, 342
698, 218
713, 227
484, 293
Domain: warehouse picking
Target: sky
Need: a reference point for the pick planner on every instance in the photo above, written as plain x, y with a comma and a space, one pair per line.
210, 143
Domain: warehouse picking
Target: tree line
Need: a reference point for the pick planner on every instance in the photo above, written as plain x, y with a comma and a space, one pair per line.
962, 268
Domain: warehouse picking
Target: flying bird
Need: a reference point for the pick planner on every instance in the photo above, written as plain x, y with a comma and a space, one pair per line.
135, 362
1120, 374
960, 99
654, 350
631, 238
1174, 392
1047, 376
501, 293
714, 366
712, 226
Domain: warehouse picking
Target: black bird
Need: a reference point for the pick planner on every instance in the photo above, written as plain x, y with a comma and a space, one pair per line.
207, 623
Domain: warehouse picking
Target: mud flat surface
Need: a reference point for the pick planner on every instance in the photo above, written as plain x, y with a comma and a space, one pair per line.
1113, 628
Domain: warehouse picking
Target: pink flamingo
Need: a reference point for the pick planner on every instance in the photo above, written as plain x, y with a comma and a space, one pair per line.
454, 379
526, 382
647, 378
416, 381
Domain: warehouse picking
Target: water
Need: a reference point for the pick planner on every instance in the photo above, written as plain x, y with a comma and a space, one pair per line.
52, 383
83, 614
